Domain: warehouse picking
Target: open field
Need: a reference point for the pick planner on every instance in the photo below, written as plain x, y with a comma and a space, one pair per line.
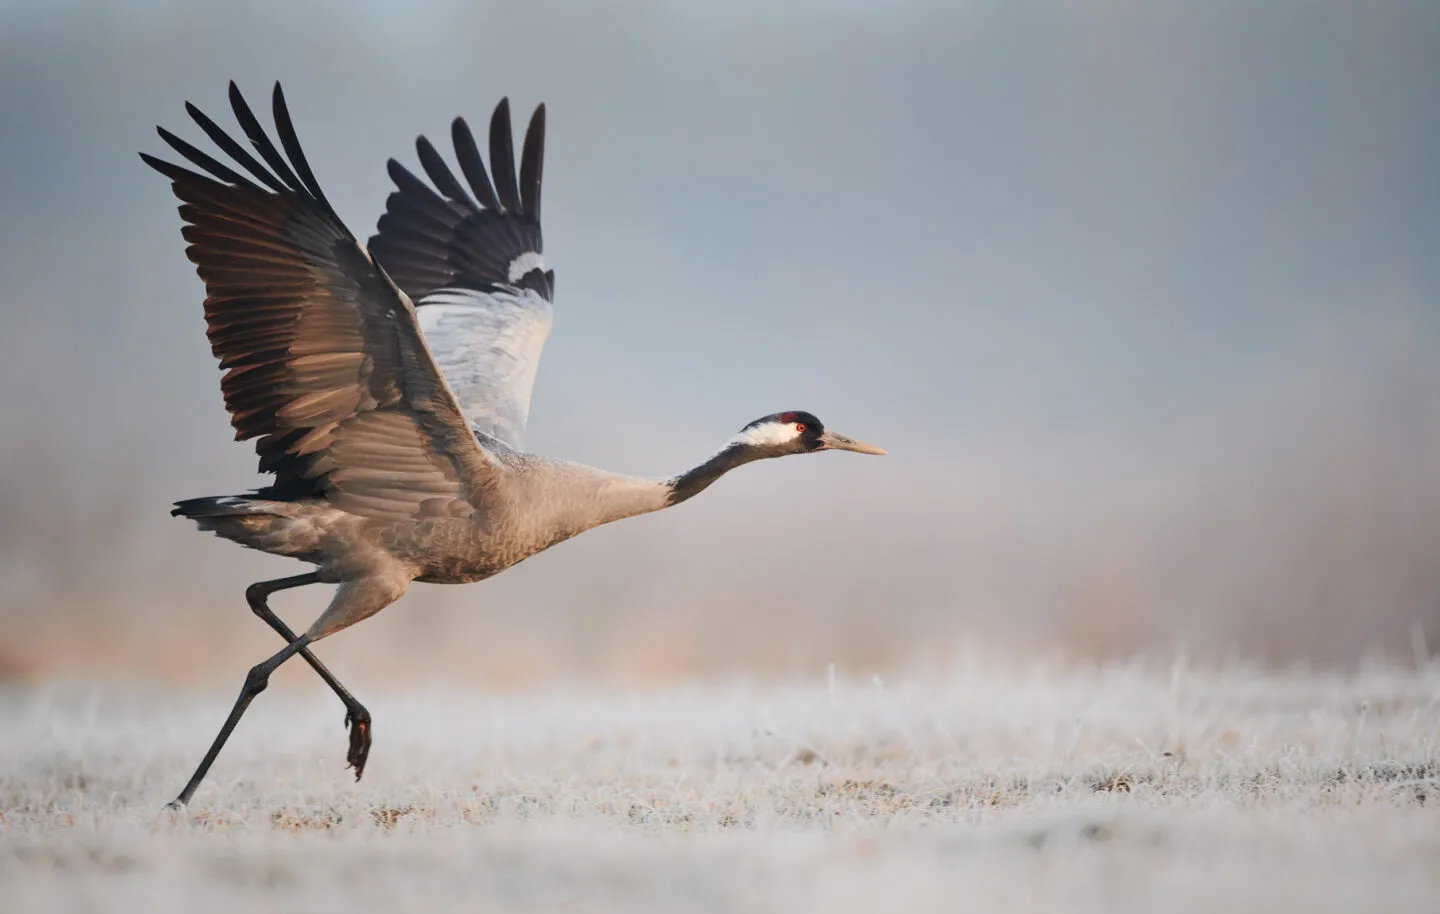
1127, 787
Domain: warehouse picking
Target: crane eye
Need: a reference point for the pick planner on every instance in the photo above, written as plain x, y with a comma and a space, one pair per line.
799, 426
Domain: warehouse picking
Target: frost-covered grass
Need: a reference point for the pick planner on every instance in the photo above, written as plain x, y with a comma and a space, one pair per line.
1128, 787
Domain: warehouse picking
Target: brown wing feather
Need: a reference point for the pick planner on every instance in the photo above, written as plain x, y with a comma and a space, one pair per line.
324, 362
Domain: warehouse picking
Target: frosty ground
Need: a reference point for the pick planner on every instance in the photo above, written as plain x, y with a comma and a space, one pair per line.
1007, 787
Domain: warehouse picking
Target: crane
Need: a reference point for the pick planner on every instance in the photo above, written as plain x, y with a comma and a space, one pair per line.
387, 386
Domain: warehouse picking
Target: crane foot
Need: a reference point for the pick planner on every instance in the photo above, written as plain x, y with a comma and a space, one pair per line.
357, 721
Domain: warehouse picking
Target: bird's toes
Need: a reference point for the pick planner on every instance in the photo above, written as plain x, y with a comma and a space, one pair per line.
359, 743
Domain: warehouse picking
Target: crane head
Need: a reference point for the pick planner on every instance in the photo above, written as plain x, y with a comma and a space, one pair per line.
796, 432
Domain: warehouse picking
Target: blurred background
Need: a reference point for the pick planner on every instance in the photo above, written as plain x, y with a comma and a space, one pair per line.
1144, 299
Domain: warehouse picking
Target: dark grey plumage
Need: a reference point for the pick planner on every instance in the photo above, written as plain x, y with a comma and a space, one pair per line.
383, 476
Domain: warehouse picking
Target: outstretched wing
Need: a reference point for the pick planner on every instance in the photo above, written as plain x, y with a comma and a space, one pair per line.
474, 269
324, 361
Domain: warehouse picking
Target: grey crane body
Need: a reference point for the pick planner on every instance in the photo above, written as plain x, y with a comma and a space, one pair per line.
535, 503
387, 389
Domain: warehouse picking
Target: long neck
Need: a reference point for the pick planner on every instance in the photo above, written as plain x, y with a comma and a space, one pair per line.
693, 482
579, 497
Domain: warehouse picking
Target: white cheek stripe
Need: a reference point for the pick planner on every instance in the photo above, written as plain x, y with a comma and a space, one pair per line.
769, 433
524, 264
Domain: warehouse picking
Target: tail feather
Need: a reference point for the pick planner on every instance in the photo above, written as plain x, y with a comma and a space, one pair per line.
218, 506
277, 527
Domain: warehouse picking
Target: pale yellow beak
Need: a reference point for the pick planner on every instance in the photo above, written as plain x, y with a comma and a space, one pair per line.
830, 441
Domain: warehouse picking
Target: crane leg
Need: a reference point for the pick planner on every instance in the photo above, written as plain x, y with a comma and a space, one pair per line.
255, 682
357, 719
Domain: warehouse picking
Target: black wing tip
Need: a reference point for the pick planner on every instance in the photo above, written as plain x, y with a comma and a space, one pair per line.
536, 127
213, 169
472, 165
500, 125
237, 98
532, 162
440, 174
281, 177
168, 169
502, 158
290, 142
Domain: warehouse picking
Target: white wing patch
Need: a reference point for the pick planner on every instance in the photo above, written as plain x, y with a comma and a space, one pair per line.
488, 346
524, 264
768, 433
